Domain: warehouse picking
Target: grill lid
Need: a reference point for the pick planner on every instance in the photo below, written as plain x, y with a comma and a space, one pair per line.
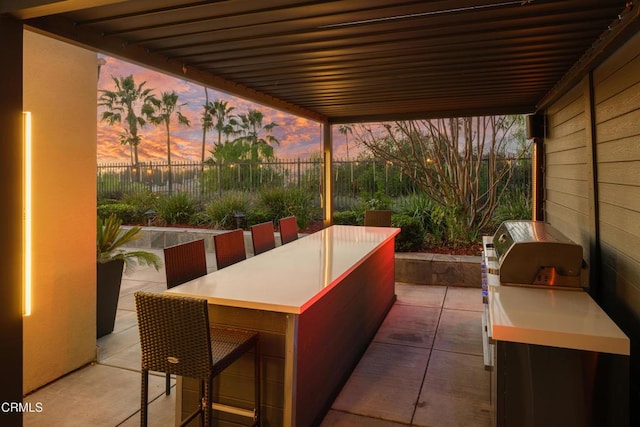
535, 253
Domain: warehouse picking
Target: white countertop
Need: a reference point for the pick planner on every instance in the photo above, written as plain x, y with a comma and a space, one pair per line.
290, 277
551, 317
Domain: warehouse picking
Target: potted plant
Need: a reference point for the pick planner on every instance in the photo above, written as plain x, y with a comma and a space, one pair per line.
111, 261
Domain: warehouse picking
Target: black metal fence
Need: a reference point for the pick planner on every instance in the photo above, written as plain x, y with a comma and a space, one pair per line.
352, 180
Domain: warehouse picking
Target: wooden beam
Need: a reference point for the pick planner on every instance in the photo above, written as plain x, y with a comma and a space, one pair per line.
27, 9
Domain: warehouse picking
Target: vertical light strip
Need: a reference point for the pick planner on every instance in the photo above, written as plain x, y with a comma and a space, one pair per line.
534, 182
27, 213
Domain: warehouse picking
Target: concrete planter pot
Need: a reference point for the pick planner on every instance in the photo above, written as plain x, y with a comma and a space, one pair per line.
109, 279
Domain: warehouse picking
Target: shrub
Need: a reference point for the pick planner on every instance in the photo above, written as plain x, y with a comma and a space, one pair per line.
258, 215
282, 202
200, 219
177, 208
412, 234
124, 212
346, 218
142, 201
418, 206
513, 205
221, 210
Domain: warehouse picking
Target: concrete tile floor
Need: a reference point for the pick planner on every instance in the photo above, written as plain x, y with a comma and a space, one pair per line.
408, 377
423, 368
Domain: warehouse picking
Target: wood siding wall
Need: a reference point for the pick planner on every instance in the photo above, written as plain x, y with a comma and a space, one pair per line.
567, 174
603, 213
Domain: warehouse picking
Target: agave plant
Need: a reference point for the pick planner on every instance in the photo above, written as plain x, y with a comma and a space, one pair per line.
110, 238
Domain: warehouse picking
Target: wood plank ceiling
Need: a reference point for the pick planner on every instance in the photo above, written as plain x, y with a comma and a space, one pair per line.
354, 60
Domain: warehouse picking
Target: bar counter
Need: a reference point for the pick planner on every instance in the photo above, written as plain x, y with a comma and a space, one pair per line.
317, 303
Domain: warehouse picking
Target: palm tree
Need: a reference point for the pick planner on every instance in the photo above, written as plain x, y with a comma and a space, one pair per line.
346, 130
130, 103
207, 123
223, 122
164, 109
251, 129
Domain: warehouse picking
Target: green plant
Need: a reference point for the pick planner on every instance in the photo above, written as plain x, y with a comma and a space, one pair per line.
514, 205
110, 239
258, 215
283, 202
200, 219
124, 211
143, 200
417, 206
412, 234
177, 208
221, 210
346, 218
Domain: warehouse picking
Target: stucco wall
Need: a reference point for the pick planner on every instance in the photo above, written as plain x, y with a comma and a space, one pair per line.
60, 91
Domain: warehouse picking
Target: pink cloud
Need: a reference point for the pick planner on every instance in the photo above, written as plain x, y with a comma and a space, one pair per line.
298, 137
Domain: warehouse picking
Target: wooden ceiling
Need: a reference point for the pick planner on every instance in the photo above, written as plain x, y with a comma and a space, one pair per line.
352, 60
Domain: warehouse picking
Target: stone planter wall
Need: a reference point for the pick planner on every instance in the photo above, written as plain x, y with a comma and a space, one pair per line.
438, 269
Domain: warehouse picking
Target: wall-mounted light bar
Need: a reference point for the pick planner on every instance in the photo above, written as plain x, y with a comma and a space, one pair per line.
27, 214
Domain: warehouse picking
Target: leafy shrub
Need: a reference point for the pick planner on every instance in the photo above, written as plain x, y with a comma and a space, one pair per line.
200, 219
142, 201
412, 234
449, 227
282, 202
221, 210
124, 212
513, 205
420, 207
346, 218
258, 215
177, 208
378, 202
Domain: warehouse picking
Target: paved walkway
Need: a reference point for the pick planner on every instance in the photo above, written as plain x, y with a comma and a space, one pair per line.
424, 368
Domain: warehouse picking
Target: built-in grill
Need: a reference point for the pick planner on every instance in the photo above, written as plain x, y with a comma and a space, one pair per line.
532, 253
542, 336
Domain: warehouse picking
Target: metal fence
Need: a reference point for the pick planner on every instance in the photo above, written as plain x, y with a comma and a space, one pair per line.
352, 180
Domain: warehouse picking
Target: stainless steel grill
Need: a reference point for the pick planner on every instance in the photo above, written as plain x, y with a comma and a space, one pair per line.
534, 253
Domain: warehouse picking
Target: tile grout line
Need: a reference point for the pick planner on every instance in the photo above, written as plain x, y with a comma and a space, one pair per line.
424, 376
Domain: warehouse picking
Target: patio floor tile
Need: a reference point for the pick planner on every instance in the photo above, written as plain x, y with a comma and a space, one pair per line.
426, 296
456, 392
94, 396
161, 412
342, 419
459, 331
409, 325
385, 384
463, 299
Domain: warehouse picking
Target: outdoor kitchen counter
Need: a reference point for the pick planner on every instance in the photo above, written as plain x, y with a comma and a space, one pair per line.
556, 358
552, 317
317, 302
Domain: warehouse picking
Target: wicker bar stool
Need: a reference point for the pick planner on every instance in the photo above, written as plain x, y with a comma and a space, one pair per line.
183, 262
176, 338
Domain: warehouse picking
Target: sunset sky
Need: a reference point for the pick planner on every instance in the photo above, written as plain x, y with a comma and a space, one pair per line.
298, 137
